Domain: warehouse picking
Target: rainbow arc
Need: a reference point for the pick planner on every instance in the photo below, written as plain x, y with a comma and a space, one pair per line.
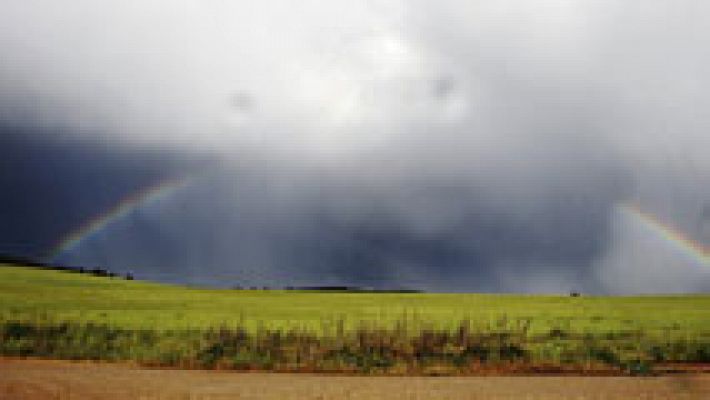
120, 211
680, 240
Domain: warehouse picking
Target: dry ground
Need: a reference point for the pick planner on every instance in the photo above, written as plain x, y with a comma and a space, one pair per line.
46, 380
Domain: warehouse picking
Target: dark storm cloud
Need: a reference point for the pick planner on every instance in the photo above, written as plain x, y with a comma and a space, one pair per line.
271, 227
457, 146
52, 183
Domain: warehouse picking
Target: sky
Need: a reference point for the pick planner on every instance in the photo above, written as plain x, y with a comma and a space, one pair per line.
492, 146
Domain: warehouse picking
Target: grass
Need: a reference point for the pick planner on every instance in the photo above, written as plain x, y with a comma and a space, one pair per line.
68, 315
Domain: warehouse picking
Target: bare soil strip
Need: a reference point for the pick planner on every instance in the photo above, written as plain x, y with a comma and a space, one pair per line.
46, 380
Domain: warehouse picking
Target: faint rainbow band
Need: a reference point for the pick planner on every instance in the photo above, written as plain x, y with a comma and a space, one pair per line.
692, 248
124, 208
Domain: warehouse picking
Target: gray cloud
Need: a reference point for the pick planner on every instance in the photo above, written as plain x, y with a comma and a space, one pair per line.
455, 146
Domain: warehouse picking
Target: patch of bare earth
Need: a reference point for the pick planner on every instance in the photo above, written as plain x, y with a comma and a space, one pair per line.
46, 380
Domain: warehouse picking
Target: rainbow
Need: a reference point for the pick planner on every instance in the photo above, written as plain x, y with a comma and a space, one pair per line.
690, 247
120, 211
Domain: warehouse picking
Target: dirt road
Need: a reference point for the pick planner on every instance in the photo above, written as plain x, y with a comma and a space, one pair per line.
46, 380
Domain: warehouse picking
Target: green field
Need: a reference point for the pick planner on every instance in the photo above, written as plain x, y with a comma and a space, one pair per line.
550, 330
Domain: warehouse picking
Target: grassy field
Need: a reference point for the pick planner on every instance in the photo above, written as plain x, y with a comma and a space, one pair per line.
55, 314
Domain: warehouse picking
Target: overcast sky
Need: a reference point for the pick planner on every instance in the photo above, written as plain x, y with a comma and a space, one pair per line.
452, 146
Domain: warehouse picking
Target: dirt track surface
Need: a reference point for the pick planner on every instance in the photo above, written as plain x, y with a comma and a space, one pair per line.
45, 380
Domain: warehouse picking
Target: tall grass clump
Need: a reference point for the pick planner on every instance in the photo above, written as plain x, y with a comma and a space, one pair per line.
506, 346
